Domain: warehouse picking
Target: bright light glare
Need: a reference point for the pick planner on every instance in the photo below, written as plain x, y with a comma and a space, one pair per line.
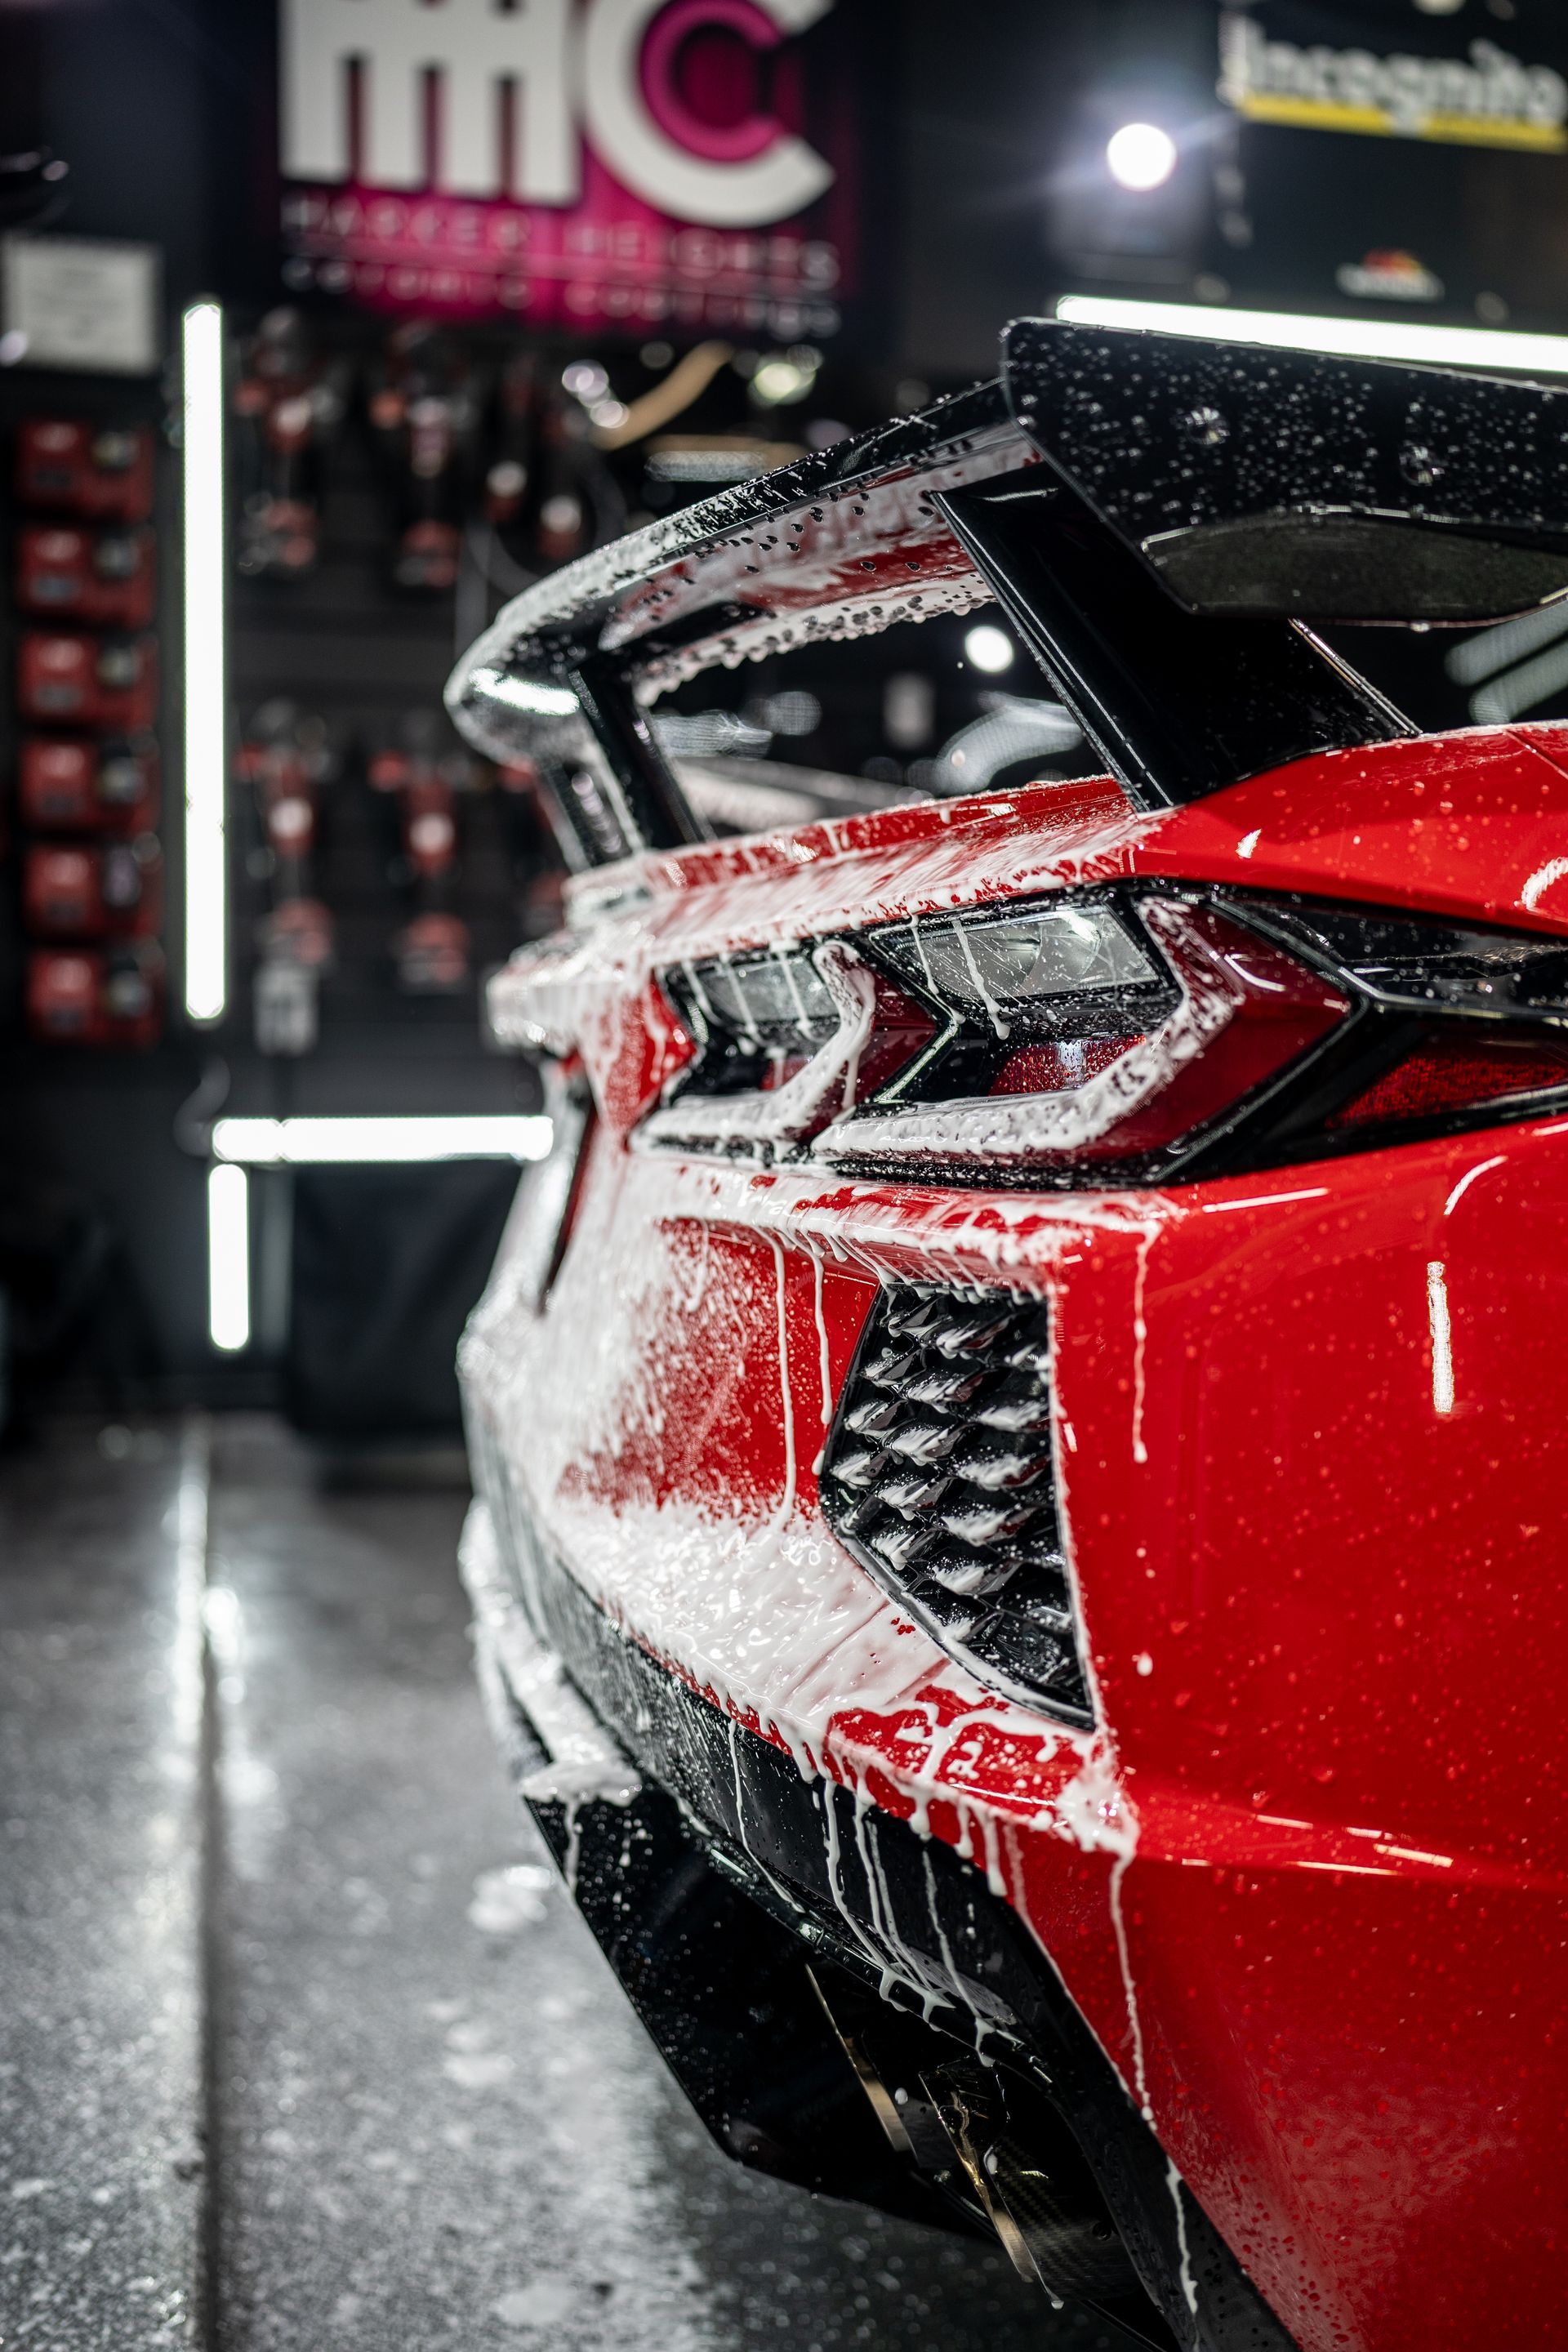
1371, 338
531, 695
990, 649
1140, 156
207, 693
779, 381
228, 1258
322, 1142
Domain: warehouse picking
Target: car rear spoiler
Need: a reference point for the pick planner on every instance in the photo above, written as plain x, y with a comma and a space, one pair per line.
1292, 486
841, 543
1163, 518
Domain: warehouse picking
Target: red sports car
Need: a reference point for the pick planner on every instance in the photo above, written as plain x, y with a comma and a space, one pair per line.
1020, 1432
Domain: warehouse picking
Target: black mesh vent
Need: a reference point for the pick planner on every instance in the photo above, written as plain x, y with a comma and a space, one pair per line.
938, 1477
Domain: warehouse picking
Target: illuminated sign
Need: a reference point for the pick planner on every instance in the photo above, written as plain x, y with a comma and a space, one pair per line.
1487, 98
1389, 275
591, 161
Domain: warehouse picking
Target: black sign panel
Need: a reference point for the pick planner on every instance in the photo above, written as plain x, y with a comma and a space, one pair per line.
1380, 155
1328, 157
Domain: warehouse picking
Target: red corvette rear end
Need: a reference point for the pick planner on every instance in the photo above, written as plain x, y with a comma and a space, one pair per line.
1019, 1559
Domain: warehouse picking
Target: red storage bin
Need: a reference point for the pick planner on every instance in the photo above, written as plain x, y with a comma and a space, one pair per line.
104, 473
70, 785
79, 681
104, 997
432, 956
105, 577
108, 890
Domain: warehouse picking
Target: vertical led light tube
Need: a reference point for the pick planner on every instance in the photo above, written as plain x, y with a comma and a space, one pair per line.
206, 691
228, 1258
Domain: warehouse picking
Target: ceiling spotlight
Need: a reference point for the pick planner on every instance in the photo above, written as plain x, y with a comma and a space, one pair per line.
1141, 156
988, 648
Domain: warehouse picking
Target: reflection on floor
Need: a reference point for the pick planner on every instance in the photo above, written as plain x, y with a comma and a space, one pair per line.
380, 2092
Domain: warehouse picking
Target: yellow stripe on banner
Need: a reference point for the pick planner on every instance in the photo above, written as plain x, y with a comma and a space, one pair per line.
1469, 131
1375, 122
1315, 114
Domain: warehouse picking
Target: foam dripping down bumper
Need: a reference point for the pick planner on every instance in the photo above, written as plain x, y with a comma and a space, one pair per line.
718, 1882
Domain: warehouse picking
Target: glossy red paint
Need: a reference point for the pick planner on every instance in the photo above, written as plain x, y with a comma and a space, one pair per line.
1311, 1447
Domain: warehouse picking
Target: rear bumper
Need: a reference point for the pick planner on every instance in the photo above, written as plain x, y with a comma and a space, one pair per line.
1325, 1607
712, 1871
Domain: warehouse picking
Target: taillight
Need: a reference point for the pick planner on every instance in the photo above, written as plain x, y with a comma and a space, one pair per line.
1120, 1035
1454, 1024
1453, 1075
1087, 1034
788, 1039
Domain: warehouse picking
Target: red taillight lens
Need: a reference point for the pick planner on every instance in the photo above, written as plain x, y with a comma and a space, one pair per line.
1058, 1066
1453, 1075
1259, 1010
899, 1029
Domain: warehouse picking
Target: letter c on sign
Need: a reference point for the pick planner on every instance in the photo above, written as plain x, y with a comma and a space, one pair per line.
760, 174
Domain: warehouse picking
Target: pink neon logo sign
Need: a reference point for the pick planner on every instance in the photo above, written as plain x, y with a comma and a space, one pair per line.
601, 162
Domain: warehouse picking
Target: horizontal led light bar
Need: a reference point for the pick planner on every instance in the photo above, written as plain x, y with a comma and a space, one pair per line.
1365, 339
205, 691
348, 1142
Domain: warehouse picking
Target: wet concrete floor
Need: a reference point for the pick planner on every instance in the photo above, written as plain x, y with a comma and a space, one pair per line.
303, 2045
